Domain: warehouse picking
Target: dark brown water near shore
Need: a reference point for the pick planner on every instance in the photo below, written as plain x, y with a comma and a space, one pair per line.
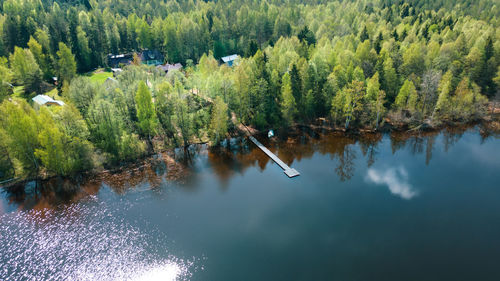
233, 156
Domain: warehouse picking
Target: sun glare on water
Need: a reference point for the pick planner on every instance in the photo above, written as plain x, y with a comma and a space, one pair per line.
165, 272
82, 242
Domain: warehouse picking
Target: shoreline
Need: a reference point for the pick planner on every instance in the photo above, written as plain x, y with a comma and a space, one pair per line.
489, 125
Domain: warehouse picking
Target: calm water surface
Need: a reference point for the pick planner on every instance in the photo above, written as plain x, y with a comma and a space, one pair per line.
380, 207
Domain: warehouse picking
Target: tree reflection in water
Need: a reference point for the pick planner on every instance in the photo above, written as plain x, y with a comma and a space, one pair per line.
181, 167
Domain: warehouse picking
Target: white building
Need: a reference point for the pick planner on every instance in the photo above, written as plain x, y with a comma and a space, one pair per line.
42, 100
230, 60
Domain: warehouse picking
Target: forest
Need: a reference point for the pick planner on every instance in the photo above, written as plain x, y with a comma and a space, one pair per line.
353, 64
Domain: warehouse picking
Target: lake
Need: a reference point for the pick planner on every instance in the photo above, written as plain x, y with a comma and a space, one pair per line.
372, 207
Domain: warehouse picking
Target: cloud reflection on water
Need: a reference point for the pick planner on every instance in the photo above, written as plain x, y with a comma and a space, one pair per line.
396, 180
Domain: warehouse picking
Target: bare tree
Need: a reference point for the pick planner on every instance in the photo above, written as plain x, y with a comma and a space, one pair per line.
428, 89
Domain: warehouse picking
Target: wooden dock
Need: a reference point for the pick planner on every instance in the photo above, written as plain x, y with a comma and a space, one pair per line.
288, 171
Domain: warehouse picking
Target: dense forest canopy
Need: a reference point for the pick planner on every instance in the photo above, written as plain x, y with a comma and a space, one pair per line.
187, 29
355, 64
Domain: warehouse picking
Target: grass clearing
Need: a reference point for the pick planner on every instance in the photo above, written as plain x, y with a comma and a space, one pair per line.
100, 76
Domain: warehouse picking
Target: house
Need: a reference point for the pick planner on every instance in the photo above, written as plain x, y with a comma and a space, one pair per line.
167, 67
231, 60
110, 83
151, 57
115, 61
110, 80
41, 100
116, 71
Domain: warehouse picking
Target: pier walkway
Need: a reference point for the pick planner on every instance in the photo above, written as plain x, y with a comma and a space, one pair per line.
290, 172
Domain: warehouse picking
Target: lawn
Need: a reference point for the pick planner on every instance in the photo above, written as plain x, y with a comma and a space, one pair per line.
53, 94
100, 76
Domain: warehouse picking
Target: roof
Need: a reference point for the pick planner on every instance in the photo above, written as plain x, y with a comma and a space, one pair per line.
229, 58
111, 79
44, 99
167, 67
115, 60
117, 56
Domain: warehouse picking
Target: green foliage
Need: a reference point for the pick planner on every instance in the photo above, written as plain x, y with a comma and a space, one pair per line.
20, 125
146, 115
347, 105
468, 103
65, 149
363, 36
407, 97
51, 148
306, 35
25, 70
389, 79
81, 92
352, 107
288, 106
374, 101
413, 60
465, 103
443, 105
164, 108
7, 169
108, 132
301, 60
54, 140
5, 79
252, 48
183, 119
218, 124
41, 58
66, 65
83, 54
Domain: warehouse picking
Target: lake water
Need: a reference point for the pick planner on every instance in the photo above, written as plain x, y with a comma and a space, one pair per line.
378, 207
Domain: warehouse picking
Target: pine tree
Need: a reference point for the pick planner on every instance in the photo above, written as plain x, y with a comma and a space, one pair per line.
84, 53
363, 36
253, 47
488, 68
296, 84
395, 35
307, 36
377, 45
